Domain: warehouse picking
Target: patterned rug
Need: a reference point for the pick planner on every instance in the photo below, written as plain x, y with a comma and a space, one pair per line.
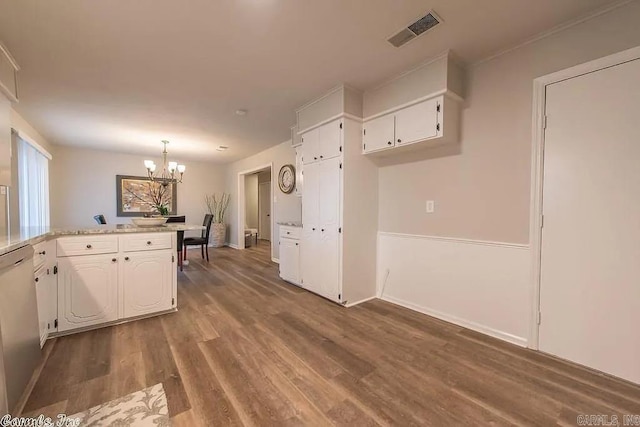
143, 408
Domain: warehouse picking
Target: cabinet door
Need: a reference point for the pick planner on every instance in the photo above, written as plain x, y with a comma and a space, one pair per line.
87, 291
378, 134
417, 123
290, 260
147, 282
310, 196
329, 264
330, 140
328, 256
310, 152
52, 301
43, 295
5, 141
299, 169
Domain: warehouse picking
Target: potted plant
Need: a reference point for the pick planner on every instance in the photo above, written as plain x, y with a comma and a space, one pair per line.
217, 207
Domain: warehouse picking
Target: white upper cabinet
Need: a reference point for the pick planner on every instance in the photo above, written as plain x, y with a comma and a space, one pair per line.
5, 141
323, 142
310, 147
330, 140
418, 122
379, 134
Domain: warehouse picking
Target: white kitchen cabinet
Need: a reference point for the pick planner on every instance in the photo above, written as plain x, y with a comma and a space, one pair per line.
299, 172
147, 282
422, 125
322, 143
310, 146
379, 134
43, 296
418, 122
321, 226
87, 290
290, 254
5, 141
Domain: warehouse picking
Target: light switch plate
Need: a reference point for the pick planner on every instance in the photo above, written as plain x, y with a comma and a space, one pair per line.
431, 206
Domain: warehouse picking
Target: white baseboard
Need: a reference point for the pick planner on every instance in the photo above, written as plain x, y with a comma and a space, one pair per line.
520, 341
276, 260
232, 245
351, 304
480, 285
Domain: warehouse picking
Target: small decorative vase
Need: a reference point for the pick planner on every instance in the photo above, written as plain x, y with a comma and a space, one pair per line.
218, 234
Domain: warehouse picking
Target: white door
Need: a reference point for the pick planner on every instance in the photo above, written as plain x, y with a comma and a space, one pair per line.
87, 291
43, 296
147, 282
330, 140
590, 274
329, 255
378, 134
290, 260
310, 225
310, 148
264, 210
417, 123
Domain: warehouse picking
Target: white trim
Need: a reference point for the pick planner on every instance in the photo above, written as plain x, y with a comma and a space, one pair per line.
519, 341
276, 260
232, 246
241, 204
554, 30
352, 304
441, 92
454, 240
32, 142
329, 120
537, 165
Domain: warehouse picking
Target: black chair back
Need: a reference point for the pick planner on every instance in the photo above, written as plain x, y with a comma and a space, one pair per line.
100, 219
208, 218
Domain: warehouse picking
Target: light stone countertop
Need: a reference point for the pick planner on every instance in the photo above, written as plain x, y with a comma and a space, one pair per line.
291, 224
34, 235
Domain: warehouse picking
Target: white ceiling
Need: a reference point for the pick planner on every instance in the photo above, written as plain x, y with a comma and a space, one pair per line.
124, 74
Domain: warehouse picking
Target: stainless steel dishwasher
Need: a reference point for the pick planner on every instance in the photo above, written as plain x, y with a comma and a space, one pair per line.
19, 334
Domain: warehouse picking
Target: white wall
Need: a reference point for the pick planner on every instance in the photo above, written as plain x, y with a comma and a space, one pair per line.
83, 184
251, 200
287, 207
483, 193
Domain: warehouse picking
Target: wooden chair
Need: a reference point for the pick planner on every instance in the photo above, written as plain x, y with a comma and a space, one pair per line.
203, 240
180, 238
100, 219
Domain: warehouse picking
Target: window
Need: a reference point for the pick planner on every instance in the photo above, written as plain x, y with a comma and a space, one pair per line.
33, 184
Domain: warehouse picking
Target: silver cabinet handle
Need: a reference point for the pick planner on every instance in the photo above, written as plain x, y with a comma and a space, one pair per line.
89, 246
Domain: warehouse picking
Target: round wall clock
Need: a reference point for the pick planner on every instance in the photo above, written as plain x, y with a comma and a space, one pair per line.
287, 178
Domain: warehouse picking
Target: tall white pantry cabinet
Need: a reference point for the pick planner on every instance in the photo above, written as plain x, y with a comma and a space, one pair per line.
339, 201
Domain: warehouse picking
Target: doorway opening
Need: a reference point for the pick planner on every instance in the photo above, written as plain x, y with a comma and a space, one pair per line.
255, 207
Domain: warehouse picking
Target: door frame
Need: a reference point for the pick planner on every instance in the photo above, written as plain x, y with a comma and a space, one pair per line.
537, 168
260, 205
241, 204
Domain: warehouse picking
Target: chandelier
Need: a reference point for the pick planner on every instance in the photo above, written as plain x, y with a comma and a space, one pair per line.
169, 169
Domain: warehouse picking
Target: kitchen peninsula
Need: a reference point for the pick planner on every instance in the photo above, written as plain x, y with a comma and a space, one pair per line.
102, 275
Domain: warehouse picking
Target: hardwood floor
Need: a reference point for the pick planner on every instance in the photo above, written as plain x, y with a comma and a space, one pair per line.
245, 348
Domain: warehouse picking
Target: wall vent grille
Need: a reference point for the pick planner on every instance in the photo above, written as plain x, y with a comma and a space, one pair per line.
414, 30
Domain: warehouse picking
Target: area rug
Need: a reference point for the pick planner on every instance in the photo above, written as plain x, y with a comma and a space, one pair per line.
143, 408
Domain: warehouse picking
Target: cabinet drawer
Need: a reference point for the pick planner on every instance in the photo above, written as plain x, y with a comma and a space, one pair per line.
146, 242
87, 245
289, 232
39, 255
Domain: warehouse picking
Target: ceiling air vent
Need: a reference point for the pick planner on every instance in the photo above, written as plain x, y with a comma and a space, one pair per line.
412, 31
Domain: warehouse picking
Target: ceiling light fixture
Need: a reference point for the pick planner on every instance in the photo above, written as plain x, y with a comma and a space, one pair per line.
169, 169
222, 148
241, 112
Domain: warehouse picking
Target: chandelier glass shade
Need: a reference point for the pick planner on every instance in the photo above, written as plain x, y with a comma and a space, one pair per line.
171, 171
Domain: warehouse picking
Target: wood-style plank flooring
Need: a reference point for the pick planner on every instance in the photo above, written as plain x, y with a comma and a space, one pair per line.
246, 348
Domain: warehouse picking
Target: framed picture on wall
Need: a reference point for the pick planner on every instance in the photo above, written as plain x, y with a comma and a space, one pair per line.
138, 196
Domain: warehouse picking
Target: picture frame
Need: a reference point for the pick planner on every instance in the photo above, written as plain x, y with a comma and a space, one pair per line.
133, 196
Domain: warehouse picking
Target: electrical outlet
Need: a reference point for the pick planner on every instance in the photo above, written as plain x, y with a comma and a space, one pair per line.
3, 190
431, 206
